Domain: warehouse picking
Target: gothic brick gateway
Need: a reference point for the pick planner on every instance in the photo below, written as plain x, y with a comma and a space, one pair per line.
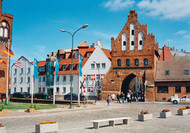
134, 53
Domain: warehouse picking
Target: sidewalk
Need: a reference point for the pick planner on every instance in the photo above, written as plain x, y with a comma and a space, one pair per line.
21, 113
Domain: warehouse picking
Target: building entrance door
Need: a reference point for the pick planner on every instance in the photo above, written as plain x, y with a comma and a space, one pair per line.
50, 92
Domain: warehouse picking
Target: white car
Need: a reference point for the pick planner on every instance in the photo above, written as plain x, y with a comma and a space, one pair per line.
175, 99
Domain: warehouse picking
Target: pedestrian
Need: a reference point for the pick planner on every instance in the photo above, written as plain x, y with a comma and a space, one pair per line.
123, 95
113, 97
108, 100
128, 97
118, 98
131, 98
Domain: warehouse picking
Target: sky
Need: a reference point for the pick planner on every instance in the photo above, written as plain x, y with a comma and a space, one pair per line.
37, 23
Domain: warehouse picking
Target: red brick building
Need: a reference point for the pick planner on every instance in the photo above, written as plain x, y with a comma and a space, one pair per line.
5, 37
135, 54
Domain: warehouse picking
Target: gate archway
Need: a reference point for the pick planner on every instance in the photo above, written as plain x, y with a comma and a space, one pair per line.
134, 84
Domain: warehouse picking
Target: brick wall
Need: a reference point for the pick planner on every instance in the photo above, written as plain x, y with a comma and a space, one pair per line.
171, 90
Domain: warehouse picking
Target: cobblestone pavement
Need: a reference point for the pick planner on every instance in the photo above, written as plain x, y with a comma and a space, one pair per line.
78, 120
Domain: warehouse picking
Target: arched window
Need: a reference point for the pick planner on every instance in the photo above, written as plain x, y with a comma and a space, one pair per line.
4, 30
124, 41
127, 62
132, 36
140, 41
146, 62
136, 62
119, 62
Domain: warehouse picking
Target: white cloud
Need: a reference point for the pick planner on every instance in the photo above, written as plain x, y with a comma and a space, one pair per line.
115, 5
187, 36
104, 35
181, 32
166, 9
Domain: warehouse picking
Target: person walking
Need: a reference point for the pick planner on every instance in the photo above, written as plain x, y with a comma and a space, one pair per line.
128, 97
113, 97
118, 98
108, 100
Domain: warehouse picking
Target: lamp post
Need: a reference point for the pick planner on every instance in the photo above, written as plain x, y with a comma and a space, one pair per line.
72, 35
98, 78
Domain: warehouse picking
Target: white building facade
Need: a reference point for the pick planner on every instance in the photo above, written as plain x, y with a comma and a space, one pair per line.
21, 78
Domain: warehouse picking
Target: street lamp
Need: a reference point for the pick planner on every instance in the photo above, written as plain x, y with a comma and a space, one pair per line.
98, 78
72, 35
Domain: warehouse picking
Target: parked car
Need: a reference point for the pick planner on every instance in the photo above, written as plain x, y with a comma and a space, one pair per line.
184, 99
21, 94
40, 95
68, 96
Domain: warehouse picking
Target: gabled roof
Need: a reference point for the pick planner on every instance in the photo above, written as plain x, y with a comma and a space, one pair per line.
83, 44
24, 58
176, 69
41, 63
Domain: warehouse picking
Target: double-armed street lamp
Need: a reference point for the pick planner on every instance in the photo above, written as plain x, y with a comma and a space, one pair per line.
72, 35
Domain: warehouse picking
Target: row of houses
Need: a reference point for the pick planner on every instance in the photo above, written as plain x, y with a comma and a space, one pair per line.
95, 64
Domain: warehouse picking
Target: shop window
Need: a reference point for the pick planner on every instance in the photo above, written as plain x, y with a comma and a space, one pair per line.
162, 89
177, 89
187, 89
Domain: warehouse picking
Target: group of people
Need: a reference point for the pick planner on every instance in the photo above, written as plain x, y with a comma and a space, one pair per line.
129, 97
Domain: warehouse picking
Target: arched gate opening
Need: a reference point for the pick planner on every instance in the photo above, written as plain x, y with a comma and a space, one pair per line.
133, 85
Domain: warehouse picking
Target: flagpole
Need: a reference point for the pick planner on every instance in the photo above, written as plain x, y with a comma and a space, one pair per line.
6, 99
54, 83
32, 89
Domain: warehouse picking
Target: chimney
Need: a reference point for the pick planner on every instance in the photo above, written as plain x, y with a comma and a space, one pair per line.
173, 48
93, 45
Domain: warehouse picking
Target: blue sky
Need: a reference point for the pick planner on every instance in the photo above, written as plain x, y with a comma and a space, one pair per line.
36, 23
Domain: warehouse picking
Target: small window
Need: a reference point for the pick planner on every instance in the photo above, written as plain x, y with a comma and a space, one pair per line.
64, 89
132, 43
162, 89
21, 71
88, 89
44, 79
76, 54
98, 77
64, 67
167, 72
77, 66
146, 62
14, 89
15, 72
136, 62
39, 79
92, 66
88, 77
64, 78
89, 54
14, 80
71, 78
124, 43
40, 90
28, 70
98, 65
28, 89
28, 79
57, 89
44, 90
70, 67
177, 89
21, 90
57, 79
127, 62
133, 32
187, 89
118, 62
21, 79
103, 65
186, 72
140, 42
